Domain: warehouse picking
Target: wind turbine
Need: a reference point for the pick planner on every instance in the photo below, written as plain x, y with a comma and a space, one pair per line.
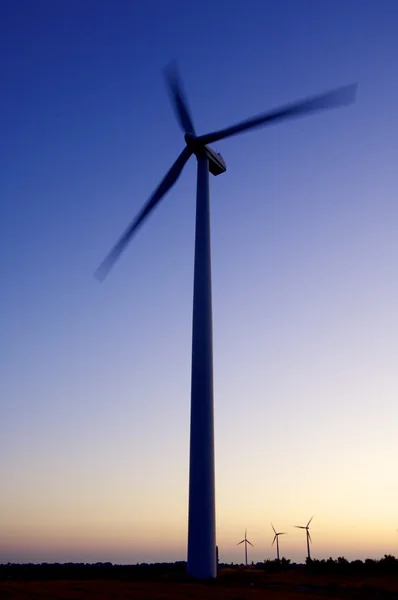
245, 541
276, 537
201, 519
307, 530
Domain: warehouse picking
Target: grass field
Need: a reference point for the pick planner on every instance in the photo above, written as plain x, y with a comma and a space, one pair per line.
240, 585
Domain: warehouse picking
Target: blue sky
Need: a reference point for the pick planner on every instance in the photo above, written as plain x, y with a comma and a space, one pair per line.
95, 379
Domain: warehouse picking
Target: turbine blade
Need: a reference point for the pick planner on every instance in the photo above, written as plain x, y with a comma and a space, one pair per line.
250, 543
273, 528
282, 533
240, 542
178, 98
309, 536
301, 526
340, 97
162, 189
273, 541
309, 521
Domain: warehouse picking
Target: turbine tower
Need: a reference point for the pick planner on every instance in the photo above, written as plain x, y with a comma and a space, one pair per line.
245, 541
201, 519
276, 537
307, 531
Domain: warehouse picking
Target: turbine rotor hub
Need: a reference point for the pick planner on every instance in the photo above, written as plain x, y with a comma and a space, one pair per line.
190, 139
196, 146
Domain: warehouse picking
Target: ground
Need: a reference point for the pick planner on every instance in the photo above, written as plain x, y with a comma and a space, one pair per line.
241, 585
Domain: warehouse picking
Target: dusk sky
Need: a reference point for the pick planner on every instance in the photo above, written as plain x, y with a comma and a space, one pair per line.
95, 378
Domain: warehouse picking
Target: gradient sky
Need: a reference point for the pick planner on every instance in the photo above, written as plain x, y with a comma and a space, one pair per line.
95, 379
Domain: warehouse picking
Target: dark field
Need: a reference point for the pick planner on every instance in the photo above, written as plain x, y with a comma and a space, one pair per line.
236, 584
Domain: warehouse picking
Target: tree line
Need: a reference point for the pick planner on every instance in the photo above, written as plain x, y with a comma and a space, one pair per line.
388, 565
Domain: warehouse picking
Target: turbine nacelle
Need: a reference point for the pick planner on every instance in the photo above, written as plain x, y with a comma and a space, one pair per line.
216, 162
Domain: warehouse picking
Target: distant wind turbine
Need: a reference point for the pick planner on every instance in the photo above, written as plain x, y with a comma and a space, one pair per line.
307, 530
276, 537
246, 541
